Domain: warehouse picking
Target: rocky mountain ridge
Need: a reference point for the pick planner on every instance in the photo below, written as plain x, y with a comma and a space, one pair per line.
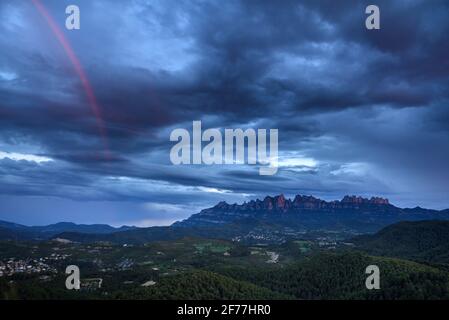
281, 204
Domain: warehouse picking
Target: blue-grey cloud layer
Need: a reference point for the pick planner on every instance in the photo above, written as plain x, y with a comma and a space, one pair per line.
369, 109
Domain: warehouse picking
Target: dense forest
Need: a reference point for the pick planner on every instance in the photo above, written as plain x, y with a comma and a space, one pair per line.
426, 241
342, 276
198, 285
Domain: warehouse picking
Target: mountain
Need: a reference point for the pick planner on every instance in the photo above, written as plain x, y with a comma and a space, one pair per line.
11, 225
84, 228
307, 213
419, 240
144, 235
271, 220
7, 234
275, 220
14, 231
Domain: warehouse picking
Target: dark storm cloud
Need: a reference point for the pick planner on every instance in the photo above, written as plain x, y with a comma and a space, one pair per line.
358, 111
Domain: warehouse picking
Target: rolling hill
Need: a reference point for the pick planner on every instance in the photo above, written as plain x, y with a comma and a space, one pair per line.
201, 285
417, 240
14, 231
342, 276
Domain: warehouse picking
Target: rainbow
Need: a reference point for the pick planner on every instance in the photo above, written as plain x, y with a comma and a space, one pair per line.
92, 100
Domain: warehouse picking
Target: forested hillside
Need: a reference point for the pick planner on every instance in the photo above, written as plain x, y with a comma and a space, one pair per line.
421, 240
342, 276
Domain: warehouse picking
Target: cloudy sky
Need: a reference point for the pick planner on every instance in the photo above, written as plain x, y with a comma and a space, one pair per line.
86, 115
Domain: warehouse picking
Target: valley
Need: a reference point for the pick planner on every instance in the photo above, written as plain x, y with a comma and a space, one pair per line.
271, 249
198, 268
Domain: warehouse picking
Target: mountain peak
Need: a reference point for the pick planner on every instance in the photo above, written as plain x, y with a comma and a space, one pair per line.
360, 200
222, 205
280, 203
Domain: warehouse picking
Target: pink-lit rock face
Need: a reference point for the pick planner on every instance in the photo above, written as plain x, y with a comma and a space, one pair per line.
281, 204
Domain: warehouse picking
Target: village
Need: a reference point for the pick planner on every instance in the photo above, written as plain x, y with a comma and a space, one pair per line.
12, 266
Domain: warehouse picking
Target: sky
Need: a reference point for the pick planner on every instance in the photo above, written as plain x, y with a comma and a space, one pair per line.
86, 115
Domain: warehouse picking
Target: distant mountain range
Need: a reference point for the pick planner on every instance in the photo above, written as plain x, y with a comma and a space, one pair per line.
310, 213
14, 231
273, 219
